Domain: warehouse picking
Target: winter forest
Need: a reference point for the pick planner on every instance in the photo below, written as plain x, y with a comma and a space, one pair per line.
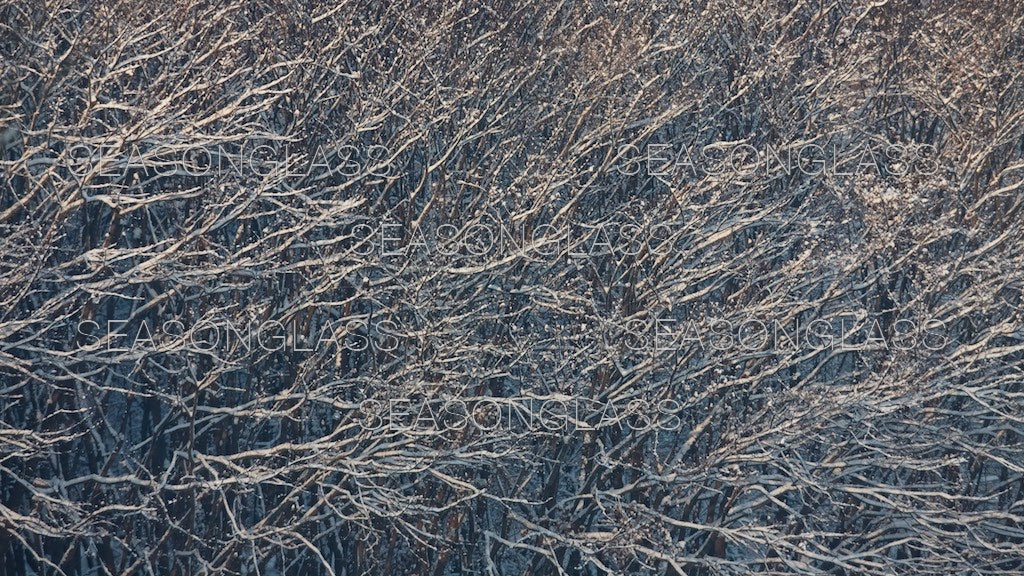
568, 288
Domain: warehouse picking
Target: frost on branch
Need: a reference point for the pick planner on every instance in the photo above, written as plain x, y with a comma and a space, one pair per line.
442, 288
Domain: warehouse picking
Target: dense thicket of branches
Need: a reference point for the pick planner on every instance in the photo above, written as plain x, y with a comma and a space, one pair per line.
454, 201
